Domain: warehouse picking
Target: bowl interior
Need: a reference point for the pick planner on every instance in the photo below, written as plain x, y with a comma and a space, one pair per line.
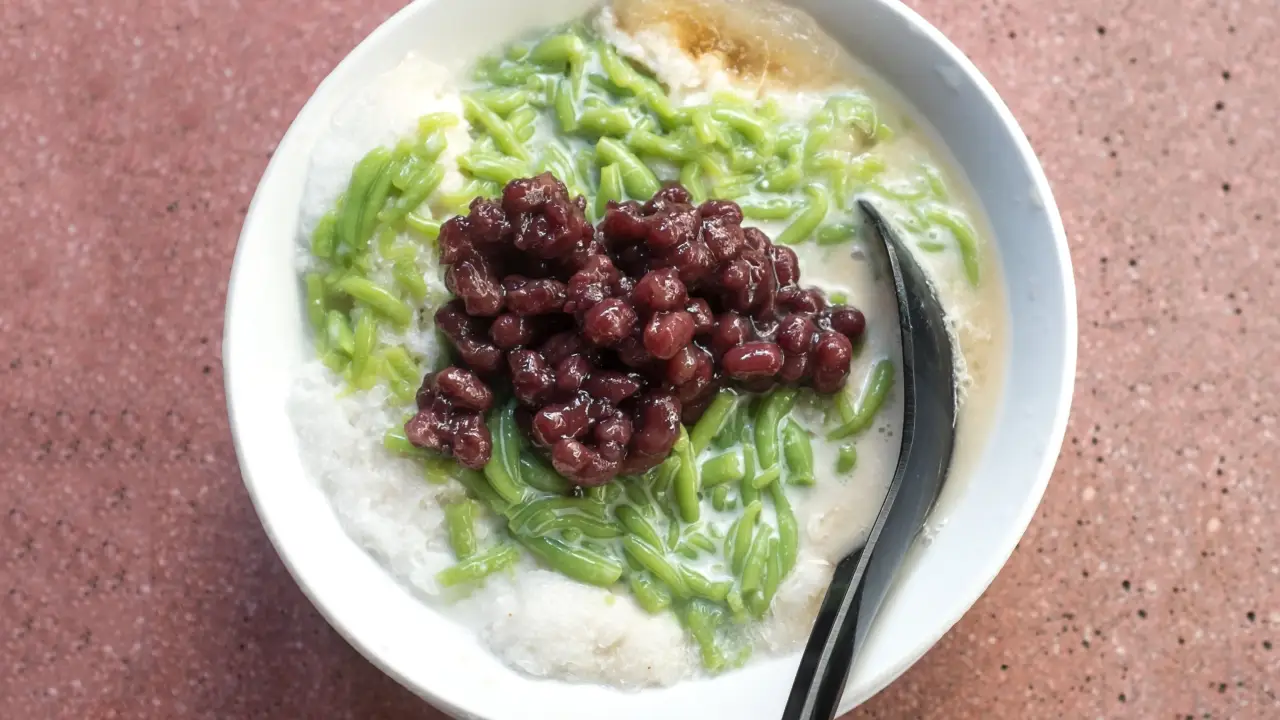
265, 341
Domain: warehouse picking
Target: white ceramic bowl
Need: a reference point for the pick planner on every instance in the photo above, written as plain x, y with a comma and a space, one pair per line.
265, 342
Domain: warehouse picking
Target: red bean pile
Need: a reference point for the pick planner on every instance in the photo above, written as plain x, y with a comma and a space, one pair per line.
610, 337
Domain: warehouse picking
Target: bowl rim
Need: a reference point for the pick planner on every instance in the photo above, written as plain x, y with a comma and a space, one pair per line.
994, 561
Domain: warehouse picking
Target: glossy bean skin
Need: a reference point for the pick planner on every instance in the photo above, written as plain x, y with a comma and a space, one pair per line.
464, 388
766, 477
753, 359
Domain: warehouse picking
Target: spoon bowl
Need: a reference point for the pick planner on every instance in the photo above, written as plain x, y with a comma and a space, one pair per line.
863, 577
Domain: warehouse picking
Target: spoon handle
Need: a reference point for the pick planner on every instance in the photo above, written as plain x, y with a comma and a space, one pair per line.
858, 587
862, 579
824, 666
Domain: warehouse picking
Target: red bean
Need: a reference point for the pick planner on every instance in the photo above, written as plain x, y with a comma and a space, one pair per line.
700, 379
633, 260
731, 330
832, 356
681, 367
531, 379
534, 297
472, 280
561, 420
848, 321
754, 359
454, 322
661, 290
676, 226
479, 355
531, 194
582, 465
760, 384
560, 346
739, 284
692, 259
612, 386
795, 333
703, 321
721, 210
658, 424
472, 443
754, 240
629, 316
809, 300
597, 269
632, 353
724, 239
625, 222
571, 373
794, 368
426, 392
670, 194
488, 223
612, 451
430, 428
608, 322
455, 240
667, 332
786, 266
614, 429
637, 463
464, 389
510, 331
832, 351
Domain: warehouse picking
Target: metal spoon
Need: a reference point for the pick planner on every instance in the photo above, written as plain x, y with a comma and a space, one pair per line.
862, 578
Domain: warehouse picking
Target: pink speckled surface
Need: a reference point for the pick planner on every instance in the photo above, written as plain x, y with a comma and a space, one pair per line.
136, 581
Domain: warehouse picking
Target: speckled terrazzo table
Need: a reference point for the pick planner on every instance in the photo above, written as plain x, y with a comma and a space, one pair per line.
136, 581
